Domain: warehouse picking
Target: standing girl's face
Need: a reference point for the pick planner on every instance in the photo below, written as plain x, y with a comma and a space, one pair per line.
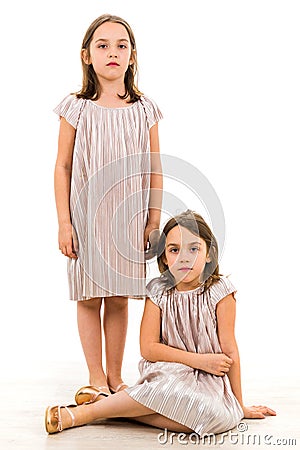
109, 51
185, 256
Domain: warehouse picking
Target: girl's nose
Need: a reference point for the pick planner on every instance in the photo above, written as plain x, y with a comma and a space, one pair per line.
183, 257
113, 53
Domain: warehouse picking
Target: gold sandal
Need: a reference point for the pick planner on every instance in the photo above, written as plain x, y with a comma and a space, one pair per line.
119, 388
53, 420
90, 394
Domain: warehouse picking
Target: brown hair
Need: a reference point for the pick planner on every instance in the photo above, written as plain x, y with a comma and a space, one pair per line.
196, 225
90, 85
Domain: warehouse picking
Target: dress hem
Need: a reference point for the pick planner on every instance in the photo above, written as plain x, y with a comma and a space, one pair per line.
133, 297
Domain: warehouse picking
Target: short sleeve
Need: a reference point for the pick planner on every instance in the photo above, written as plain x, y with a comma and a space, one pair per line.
221, 289
70, 108
155, 290
152, 111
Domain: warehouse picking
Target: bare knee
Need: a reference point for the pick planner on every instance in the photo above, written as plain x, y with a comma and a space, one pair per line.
116, 303
91, 304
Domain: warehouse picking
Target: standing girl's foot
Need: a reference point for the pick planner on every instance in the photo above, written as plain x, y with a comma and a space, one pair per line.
116, 384
91, 394
118, 388
97, 377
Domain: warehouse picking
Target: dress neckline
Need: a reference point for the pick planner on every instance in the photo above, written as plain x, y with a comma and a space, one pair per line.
189, 291
110, 108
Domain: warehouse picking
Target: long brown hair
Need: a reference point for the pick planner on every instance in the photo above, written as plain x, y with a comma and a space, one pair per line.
91, 88
196, 225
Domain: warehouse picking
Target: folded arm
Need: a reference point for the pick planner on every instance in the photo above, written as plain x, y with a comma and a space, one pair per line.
153, 350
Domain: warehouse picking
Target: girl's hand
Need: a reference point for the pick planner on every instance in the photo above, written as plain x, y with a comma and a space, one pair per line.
151, 238
257, 412
67, 240
214, 363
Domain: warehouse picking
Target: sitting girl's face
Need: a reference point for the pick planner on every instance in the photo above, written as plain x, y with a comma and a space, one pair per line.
186, 256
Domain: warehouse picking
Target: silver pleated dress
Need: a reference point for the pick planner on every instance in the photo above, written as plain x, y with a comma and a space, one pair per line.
199, 400
109, 196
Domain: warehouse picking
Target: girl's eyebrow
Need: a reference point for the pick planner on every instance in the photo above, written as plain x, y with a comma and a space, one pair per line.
107, 40
189, 243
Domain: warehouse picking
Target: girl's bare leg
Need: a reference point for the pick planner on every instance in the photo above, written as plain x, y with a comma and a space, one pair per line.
120, 405
89, 327
159, 421
115, 322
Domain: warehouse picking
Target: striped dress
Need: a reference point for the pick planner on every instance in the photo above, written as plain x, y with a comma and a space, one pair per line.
109, 196
199, 400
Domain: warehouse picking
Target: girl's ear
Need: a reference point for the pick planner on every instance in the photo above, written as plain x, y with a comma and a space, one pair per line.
85, 56
164, 260
131, 61
208, 259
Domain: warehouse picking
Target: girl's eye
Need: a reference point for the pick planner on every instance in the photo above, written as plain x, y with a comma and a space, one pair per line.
122, 46
174, 250
102, 46
194, 249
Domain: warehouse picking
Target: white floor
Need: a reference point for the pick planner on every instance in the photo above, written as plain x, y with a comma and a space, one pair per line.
23, 402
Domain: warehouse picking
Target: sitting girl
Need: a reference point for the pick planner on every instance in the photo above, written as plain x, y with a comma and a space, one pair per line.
190, 372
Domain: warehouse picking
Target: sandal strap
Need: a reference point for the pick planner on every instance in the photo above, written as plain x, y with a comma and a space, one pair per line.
70, 413
59, 421
102, 391
118, 387
102, 387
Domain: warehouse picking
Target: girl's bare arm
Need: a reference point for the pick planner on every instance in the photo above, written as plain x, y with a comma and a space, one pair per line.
226, 323
156, 184
226, 311
62, 182
153, 350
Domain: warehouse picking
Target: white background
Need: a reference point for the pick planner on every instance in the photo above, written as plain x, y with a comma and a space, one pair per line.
226, 77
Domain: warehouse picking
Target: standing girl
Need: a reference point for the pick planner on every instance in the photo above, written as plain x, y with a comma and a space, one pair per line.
190, 371
107, 186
